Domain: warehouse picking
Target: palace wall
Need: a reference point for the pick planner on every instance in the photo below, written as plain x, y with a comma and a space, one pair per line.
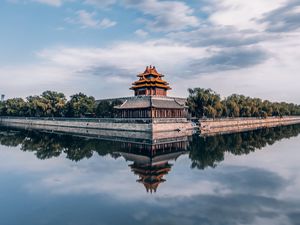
169, 124
118, 124
139, 131
232, 125
149, 129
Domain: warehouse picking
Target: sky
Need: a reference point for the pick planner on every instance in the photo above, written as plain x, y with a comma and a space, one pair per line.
99, 46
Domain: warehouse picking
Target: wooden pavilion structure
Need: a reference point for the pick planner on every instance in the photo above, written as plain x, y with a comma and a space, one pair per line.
150, 98
150, 82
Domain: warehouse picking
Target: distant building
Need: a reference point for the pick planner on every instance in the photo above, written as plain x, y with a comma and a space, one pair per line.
150, 98
2, 97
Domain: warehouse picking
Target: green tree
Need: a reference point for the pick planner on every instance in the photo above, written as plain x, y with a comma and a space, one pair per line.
36, 106
14, 107
2, 107
80, 105
55, 103
204, 102
232, 108
106, 108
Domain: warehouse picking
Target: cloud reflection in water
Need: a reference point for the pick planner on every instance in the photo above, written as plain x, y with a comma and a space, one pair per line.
87, 181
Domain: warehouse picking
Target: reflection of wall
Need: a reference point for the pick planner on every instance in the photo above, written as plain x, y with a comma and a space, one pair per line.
161, 147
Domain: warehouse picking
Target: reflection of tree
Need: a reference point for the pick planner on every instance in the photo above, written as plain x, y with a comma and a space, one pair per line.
44, 145
11, 138
48, 145
207, 152
203, 152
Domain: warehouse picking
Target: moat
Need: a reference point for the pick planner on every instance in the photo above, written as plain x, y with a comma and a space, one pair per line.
241, 178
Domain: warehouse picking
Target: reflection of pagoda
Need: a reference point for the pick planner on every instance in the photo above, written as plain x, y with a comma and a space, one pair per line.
151, 175
151, 162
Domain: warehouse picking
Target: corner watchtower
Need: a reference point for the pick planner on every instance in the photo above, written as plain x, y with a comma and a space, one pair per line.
150, 83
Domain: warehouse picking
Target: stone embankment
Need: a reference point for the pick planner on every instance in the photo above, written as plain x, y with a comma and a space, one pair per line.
144, 128
135, 130
139, 124
230, 125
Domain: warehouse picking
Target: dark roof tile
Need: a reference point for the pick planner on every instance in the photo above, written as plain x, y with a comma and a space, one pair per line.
148, 101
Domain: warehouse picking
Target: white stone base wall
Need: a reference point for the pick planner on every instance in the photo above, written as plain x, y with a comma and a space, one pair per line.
211, 127
79, 124
146, 125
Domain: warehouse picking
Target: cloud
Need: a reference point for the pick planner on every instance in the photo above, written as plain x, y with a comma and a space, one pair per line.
241, 69
252, 195
230, 59
50, 2
165, 15
100, 3
221, 36
56, 3
110, 74
94, 70
275, 79
283, 19
231, 209
106, 23
242, 14
252, 180
132, 56
36, 79
89, 20
141, 33
217, 51
294, 217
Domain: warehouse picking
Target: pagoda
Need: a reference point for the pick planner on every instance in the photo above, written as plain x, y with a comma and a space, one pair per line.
150, 98
150, 83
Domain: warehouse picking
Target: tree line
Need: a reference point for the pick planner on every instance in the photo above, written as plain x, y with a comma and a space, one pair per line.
201, 103
207, 103
55, 104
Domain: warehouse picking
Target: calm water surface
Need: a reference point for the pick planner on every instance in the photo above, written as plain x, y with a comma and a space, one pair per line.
246, 178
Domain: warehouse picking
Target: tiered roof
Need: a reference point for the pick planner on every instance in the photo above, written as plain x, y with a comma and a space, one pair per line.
151, 101
150, 78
